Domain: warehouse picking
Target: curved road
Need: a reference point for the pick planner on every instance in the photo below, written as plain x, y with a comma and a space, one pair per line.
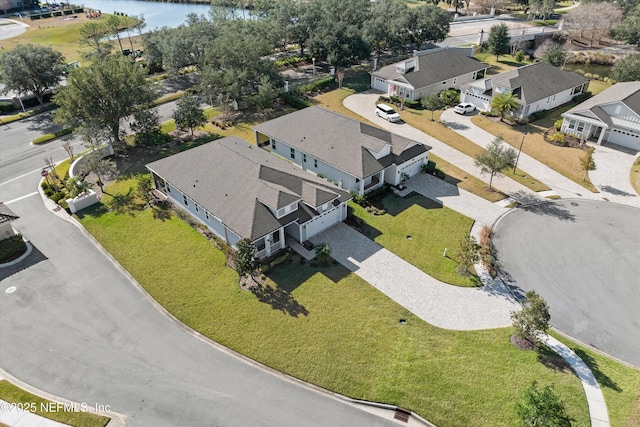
77, 327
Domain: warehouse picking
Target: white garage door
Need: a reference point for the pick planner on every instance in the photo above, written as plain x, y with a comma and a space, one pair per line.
322, 222
626, 139
411, 167
380, 84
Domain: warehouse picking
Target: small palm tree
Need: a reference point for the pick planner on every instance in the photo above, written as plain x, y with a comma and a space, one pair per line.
504, 103
323, 253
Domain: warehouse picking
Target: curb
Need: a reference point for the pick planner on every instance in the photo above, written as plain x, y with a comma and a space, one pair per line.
20, 258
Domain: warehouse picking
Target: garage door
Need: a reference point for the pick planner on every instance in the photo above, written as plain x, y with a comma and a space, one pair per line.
380, 84
411, 167
322, 222
626, 139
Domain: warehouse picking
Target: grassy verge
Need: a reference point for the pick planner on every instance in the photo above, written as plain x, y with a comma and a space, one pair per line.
421, 119
635, 175
14, 394
504, 62
451, 378
432, 228
564, 160
620, 384
51, 136
464, 180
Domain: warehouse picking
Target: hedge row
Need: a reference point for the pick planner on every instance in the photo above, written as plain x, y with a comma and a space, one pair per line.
49, 136
11, 248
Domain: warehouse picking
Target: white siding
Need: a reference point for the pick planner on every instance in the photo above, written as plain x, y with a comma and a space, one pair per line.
323, 221
620, 110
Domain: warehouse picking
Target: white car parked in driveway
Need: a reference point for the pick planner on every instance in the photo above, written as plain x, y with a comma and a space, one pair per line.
387, 113
464, 108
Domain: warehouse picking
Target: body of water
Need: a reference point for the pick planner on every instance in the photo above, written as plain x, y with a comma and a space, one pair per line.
601, 70
156, 14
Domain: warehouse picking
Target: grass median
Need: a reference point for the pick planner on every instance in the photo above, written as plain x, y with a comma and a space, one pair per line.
358, 349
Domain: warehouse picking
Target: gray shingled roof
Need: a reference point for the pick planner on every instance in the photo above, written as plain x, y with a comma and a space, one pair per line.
232, 178
626, 92
335, 139
6, 214
537, 81
433, 67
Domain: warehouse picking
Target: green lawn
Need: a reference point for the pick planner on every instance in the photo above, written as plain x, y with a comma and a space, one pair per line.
466, 181
14, 394
432, 229
440, 374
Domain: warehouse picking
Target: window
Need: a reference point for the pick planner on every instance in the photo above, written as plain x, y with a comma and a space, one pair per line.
304, 157
206, 214
186, 202
572, 124
197, 209
444, 83
293, 153
580, 127
168, 189
315, 163
455, 80
273, 144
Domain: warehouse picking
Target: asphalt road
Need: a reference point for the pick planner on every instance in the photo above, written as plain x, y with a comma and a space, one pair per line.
76, 327
583, 259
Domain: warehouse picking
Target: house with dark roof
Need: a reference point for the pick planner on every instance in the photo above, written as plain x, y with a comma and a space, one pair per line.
6, 216
241, 191
355, 156
611, 116
429, 71
538, 87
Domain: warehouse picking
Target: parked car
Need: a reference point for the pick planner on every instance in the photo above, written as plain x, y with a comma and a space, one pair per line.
387, 113
464, 108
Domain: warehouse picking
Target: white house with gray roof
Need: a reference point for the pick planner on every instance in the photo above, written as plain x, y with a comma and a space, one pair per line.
611, 116
429, 71
356, 156
241, 191
538, 87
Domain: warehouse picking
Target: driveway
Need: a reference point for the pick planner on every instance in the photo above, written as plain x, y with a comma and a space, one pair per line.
438, 303
611, 177
582, 257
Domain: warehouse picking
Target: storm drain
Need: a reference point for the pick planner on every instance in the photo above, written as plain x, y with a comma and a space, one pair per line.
574, 204
402, 415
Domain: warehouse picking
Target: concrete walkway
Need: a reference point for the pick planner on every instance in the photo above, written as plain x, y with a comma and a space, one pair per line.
12, 416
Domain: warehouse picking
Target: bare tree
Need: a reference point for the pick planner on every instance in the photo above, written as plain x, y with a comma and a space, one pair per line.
51, 165
68, 147
592, 21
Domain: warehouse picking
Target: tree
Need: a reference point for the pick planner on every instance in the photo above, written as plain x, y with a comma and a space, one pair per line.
496, 158
77, 186
533, 320
450, 97
68, 147
245, 259
427, 23
629, 29
188, 114
103, 168
323, 253
146, 125
542, 407
541, 7
592, 20
384, 29
467, 254
504, 103
432, 103
627, 69
103, 94
498, 41
266, 95
587, 162
188, 44
93, 35
552, 53
144, 187
31, 69
114, 25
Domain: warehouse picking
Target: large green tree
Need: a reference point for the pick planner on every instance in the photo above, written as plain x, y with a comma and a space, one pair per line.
432, 103
385, 28
188, 114
552, 53
102, 94
427, 23
504, 103
498, 41
629, 29
94, 38
496, 158
627, 69
31, 69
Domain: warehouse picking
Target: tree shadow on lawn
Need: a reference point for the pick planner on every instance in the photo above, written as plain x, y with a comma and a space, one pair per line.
552, 360
601, 377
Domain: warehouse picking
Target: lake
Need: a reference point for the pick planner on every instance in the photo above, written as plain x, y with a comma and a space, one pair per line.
601, 70
156, 14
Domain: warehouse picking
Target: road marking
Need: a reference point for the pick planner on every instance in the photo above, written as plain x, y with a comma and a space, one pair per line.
21, 176
21, 197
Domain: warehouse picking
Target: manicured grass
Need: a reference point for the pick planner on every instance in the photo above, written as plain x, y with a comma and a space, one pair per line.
421, 119
63, 167
14, 394
620, 384
635, 175
358, 348
432, 229
563, 160
504, 62
464, 180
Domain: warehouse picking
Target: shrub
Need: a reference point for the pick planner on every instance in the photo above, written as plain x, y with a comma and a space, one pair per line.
582, 97
557, 137
317, 85
539, 115
49, 136
519, 56
522, 121
292, 60
558, 124
6, 107
450, 97
11, 248
294, 101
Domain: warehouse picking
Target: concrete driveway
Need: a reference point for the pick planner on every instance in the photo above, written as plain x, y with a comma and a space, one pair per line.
442, 305
582, 257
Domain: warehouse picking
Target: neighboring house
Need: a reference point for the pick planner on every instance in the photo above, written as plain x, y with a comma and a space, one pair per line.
610, 116
538, 87
356, 156
241, 191
429, 71
6, 216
